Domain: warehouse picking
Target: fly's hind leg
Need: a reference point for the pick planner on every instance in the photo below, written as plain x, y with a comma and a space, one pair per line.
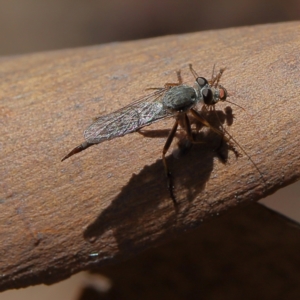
167, 172
179, 78
168, 85
193, 71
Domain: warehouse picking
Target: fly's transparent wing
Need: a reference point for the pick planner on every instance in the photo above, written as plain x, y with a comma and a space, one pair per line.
128, 119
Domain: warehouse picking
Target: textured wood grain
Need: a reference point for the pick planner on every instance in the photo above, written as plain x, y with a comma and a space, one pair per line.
111, 200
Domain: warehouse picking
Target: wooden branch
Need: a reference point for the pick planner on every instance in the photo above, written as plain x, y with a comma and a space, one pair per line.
111, 201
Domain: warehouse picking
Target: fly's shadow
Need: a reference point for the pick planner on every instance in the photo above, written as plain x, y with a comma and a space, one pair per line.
132, 208
178, 101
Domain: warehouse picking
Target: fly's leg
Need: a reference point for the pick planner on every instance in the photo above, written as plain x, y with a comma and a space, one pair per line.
230, 144
212, 73
219, 132
167, 172
216, 79
179, 78
193, 71
168, 85
205, 123
189, 132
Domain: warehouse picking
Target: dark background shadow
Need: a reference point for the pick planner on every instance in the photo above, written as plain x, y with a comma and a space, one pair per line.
29, 26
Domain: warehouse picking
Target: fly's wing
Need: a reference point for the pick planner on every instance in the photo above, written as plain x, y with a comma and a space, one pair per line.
128, 119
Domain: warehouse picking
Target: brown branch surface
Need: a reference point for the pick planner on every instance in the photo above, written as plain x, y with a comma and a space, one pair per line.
111, 201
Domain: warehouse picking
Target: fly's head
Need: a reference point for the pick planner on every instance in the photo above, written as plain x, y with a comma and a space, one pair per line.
210, 95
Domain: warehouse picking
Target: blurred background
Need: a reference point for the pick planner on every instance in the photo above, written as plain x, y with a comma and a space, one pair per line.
30, 26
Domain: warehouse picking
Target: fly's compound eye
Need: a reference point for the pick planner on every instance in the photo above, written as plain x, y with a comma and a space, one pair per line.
207, 96
223, 93
202, 82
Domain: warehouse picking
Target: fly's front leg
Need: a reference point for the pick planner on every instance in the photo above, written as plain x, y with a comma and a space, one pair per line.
165, 150
219, 132
206, 123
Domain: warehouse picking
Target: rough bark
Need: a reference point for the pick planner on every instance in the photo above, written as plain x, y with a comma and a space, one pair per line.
111, 200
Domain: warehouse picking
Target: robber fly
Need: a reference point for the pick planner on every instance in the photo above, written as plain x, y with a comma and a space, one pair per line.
173, 100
